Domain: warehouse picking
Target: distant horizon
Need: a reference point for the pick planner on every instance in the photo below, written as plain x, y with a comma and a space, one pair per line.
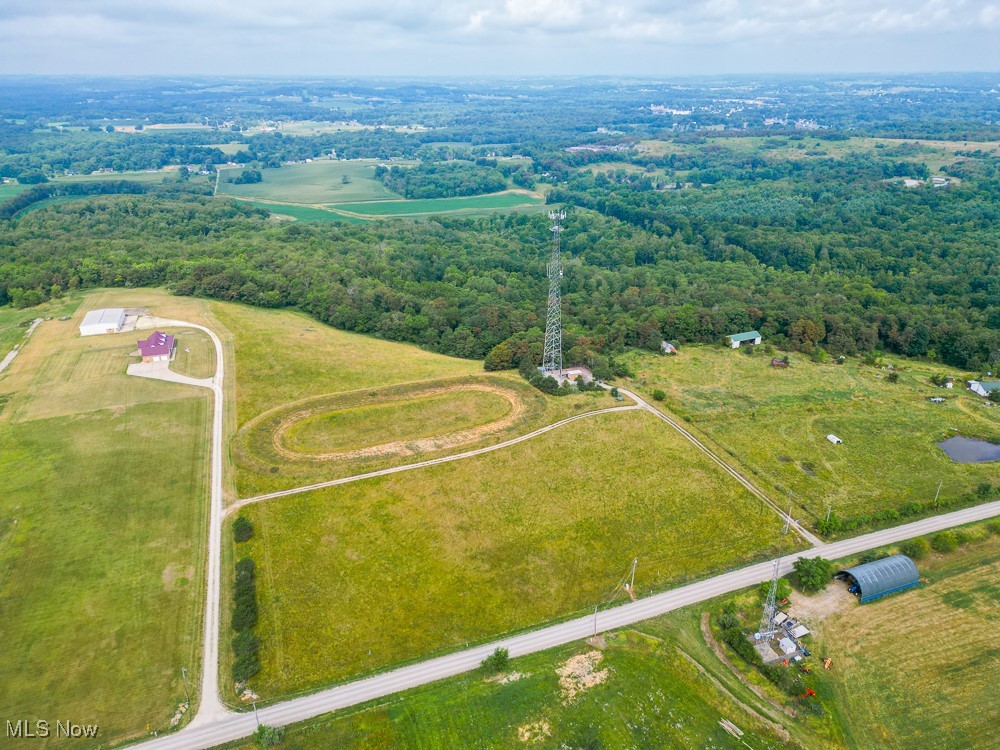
498, 38
854, 76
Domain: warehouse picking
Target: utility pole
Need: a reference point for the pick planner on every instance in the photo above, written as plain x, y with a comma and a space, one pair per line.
552, 359
595, 618
788, 519
187, 694
631, 583
255, 716
938, 493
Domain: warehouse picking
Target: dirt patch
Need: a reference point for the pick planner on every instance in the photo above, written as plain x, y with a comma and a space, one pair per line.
174, 574
534, 732
580, 673
818, 607
409, 447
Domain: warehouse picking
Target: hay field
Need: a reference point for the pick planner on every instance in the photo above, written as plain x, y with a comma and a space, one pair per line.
465, 551
774, 423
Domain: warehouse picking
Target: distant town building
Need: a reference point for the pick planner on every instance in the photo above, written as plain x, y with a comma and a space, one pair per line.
98, 322
738, 339
159, 347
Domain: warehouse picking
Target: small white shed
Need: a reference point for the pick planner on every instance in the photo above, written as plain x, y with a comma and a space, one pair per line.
799, 630
97, 322
834, 439
787, 645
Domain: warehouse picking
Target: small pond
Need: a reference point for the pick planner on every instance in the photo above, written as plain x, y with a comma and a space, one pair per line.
969, 451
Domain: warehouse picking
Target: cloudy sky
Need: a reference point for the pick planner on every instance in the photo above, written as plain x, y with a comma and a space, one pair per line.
497, 37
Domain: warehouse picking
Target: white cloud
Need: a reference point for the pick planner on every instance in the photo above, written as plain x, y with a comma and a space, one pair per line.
339, 32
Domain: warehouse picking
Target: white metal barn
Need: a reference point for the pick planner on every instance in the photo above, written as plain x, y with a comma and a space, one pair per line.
97, 322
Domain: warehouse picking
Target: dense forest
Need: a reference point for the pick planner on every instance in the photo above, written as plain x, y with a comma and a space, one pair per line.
694, 209
913, 273
443, 180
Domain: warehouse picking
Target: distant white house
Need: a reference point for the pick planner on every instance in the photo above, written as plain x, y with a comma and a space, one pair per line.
750, 337
98, 322
834, 439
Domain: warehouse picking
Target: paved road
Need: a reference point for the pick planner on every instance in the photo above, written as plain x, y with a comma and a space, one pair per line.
234, 726
432, 462
162, 371
210, 708
5, 362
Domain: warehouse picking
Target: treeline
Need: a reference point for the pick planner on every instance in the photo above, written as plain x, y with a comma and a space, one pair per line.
444, 180
924, 284
21, 201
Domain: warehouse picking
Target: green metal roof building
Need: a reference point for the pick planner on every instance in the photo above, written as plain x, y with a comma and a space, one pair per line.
738, 338
881, 577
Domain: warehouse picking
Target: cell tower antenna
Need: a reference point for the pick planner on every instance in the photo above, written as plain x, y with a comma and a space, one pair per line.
767, 617
552, 358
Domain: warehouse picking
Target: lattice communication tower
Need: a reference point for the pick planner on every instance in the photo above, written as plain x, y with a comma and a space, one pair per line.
552, 358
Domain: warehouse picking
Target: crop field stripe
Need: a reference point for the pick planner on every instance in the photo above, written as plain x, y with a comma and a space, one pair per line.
421, 464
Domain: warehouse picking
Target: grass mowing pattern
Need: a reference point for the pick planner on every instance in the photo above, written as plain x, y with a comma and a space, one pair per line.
468, 550
775, 421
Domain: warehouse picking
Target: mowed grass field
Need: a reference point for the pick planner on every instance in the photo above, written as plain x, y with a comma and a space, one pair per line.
285, 360
891, 684
318, 182
362, 426
465, 551
774, 423
651, 697
317, 192
102, 528
506, 199
921, 669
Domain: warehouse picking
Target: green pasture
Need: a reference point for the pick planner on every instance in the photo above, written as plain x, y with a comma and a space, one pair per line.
774, 424
285, 359
102, 526
10, 189
466, 551
361, 426
667, 687
318, 182
652, 697
284, 356
509, 199
305, 213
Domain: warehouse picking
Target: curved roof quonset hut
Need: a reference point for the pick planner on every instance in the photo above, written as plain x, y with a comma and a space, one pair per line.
881, 577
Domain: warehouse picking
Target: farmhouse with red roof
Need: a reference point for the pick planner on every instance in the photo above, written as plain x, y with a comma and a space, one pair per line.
159, 347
